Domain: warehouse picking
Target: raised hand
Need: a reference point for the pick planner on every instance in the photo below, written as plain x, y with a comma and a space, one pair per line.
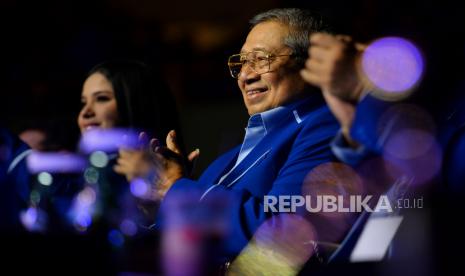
333, 66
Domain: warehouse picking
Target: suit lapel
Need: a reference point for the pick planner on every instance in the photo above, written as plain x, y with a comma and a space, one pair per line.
255, 157
243, 168
220, 167
261, 151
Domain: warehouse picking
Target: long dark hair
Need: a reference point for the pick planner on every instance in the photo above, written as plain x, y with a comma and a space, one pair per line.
143, 98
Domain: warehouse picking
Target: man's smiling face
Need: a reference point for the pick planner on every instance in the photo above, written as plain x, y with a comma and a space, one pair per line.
282, 84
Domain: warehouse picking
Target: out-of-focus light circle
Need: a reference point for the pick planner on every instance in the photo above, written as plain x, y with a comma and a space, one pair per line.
393, 64
139, 187
86, 197
333, 179
83, 209
82, 221
409, 143
91, 175
35, 197
410, 147
34, 219
99, 159
45, 178
29, 217
280, 246
414, 154
128, 227
116, 238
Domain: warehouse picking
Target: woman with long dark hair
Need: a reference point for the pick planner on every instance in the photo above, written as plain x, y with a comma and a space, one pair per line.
129, 94
119, 98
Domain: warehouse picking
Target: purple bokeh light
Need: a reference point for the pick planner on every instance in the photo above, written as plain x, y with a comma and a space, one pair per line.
83, 209
55, 162
392, 64
34, 219
83, 220
108, 140
86, 197
413, 153
128, 227
139, 187
29, 217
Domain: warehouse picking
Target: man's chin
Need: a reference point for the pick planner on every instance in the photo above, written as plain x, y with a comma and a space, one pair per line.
255, 109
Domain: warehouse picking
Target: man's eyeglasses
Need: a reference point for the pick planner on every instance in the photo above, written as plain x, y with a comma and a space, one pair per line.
259, 62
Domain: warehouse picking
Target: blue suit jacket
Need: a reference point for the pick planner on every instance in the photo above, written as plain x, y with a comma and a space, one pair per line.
278, 165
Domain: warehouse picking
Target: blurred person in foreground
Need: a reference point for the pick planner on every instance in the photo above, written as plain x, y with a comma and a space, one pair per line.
120, 99
369, 127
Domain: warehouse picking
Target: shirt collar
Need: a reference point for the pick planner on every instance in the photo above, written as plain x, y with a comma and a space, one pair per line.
273, 117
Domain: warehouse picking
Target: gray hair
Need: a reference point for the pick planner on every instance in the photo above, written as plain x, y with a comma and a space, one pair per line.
301, 23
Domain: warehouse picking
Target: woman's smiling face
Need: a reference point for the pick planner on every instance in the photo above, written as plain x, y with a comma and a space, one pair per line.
99, 104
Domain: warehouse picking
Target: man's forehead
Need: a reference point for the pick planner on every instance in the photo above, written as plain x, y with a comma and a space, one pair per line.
254, 49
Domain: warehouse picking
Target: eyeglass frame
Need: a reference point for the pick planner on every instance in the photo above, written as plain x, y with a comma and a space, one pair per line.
268, 57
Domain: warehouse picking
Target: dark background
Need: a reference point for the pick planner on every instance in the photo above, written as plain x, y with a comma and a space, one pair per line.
47, 47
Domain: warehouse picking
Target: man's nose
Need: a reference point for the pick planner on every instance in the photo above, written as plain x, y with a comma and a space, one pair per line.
247, 74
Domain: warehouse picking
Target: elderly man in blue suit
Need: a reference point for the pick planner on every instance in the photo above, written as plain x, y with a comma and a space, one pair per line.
288, 132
